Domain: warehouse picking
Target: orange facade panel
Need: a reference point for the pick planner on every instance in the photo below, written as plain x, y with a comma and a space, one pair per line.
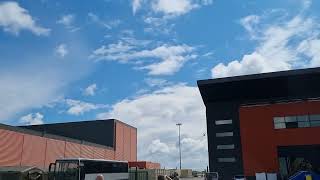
34, 151
98, 153
126, 143
31, 150
54, 150
119, 142
10, 147
133, 148
87, 151
144, 165
109, 154
72, 150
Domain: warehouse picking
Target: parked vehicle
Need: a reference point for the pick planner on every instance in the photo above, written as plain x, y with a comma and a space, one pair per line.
88, 169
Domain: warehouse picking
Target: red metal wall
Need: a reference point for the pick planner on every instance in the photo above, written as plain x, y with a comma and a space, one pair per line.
259, 139
11, 144
126, 142
28, 150
72, 150
37, 149
144, 165
133, 149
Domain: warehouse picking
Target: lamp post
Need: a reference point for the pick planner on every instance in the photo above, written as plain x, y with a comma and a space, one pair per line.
179, 125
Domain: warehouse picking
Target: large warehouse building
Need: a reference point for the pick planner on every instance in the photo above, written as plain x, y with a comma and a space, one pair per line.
263, 123
40, 145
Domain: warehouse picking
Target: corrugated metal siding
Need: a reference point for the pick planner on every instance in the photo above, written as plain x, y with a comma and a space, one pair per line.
133, 148
55, 150
72, 150
98, 153
109, 154
10, 148
119, 141
33, 151
86, 151
30, 150
126, 143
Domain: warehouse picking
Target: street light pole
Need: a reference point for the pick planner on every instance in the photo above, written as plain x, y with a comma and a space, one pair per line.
179, 124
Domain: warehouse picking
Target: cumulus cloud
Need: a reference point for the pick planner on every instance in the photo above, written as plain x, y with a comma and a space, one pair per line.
157, 146
32, 119
77, 107
14, 18
162, 60
156, 114
61, 50
90, 90
282, 45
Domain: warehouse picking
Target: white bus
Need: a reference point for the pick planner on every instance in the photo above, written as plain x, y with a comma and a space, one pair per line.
88, 169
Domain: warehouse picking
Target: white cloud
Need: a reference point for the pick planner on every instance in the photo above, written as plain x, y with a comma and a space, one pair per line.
249, 23
156, 82
66, 20
62, 50
281, 46
136, 4
311, 49
167, 8
157, 146
77, 107
96, 19
155, 114
306, 4
162, 60
90, 90
173, 7
32, 119
14, 18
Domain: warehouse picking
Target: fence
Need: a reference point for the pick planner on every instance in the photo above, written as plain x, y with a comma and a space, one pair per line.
148, 174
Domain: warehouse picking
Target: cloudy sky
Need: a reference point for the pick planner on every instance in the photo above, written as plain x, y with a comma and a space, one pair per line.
139, 60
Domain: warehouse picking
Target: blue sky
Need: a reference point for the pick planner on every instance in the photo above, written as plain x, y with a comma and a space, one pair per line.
139, 60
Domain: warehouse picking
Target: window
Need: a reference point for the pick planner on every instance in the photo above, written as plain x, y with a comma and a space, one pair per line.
224, 134
279, 123
229, 160
315, 117
289, 119
303, 124
315, 120
221, 122
302, 121
67, 170
315, 123
226, 146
